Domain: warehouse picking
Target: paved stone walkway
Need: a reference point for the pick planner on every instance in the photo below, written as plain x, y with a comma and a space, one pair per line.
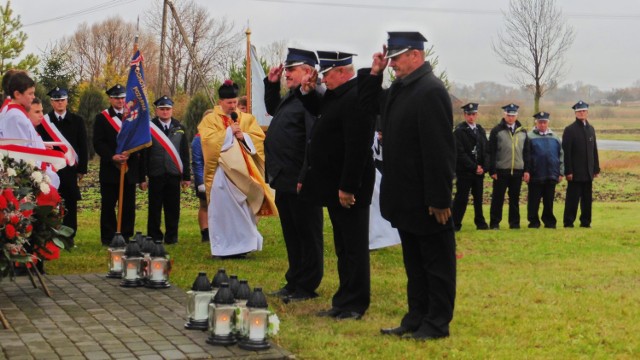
92, 317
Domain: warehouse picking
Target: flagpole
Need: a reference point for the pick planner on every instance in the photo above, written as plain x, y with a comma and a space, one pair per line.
248, 82
123, 166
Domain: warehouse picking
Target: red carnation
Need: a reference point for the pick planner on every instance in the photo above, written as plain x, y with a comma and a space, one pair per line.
29, 228
8, 194
50, 199
14, 219
10, 231
3, 203
27, 213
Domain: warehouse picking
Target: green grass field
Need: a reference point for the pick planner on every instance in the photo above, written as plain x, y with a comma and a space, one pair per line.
542, 294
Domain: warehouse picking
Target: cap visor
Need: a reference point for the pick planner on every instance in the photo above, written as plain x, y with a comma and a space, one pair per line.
392, 53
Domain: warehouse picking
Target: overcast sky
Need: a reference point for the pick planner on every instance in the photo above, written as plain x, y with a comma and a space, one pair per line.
605, 52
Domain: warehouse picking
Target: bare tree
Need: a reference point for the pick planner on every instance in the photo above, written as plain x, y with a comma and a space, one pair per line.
274, 53
100, 53
534, 43
217, 45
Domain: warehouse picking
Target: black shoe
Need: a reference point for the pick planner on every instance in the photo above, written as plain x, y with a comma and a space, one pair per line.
282, 293
349, 315
333, 312
568, 225
585, 226
534, 226
494, 227
550, 226
397, 331
514, 227
457, 228
421, 336
482, 227
299, 296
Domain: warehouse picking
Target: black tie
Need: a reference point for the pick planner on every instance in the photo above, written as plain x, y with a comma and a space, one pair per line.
166, 130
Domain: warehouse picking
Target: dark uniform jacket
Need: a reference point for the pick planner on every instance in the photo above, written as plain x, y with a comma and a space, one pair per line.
104, 142
285, 144
419, 149
580, 151
471, 150
74, 130
158, 161
339, 152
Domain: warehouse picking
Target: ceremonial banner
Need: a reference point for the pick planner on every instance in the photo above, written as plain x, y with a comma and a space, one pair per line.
135, 134
258, 108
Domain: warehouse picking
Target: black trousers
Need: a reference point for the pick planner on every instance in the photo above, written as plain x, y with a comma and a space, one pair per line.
302, 230
505, 181
545, 191
164, 193
351, 240
70, 192
108, 220
430, 263
464, 185
578, 192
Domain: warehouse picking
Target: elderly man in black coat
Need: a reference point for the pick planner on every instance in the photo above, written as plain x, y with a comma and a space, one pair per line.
340, 176
284, 149
417, 180
581, 166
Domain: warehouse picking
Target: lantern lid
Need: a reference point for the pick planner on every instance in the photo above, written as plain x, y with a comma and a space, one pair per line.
219, 278
117, 241
147, 245
234, 284
201, 283
257, 299
243, 290
132, 249
224, 295
158, 249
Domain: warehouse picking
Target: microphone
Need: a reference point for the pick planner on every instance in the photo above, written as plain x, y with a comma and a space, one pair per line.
234, 116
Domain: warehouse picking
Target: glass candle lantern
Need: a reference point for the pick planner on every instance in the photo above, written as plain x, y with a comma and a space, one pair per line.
221, 317
116, 252
133, 266
158, 267
198, 299
256, 323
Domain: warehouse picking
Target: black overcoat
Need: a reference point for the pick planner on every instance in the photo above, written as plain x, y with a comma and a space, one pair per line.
339, 153
419, 149
74, 130
580, 151
285, 143
104, 142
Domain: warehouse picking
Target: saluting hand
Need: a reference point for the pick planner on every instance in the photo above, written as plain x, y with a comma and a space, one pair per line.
379, 61
309, 81
275, 73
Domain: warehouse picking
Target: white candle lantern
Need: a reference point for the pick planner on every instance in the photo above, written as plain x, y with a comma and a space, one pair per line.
256, 323
133, 266
221, 317
116, 252
158, 268
198, 299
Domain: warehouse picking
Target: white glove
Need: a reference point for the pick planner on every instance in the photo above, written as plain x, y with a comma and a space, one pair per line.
201, 188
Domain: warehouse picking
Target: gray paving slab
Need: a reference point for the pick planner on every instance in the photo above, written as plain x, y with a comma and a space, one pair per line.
92, 317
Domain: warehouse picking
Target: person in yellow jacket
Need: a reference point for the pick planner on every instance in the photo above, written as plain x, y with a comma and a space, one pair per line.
233, 151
